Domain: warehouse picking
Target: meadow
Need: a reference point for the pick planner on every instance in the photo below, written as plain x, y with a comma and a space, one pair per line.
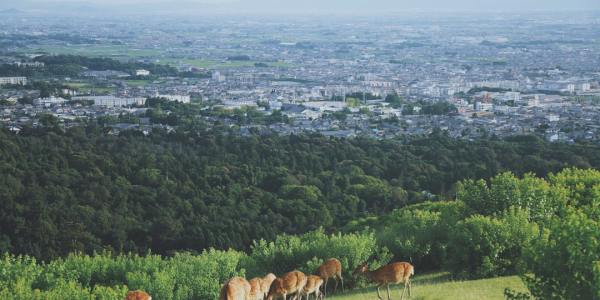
439, 286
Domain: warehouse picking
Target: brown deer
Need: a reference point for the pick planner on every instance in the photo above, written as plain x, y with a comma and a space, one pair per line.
265, 284
313, 286
137, 295
394, 273
332, 268
236, 288
259, 287
288, 284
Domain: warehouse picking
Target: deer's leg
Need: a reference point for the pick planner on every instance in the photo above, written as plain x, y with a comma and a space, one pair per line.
409, 287
325, 288
378, 294
388, 290
403, 290
336, 284
342, 280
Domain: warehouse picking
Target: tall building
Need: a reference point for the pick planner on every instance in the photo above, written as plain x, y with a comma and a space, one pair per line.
13, 80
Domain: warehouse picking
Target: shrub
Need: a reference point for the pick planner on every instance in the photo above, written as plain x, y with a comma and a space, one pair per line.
420, 233
306, 252
560, 263
104, 276
482, 246
535, 195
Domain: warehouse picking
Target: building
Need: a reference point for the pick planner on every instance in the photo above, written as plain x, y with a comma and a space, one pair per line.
142, 72
218, 77
49, 101
13, 80
178, 98
112, 101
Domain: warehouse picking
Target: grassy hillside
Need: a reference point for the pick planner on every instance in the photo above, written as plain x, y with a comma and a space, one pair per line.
438, 287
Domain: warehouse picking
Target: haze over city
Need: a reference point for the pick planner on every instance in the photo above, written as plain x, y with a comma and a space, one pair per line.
300, 7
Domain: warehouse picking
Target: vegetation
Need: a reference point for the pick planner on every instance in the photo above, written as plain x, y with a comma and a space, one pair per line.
277, 199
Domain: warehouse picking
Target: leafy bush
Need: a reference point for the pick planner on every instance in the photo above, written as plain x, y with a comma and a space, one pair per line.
482, 246
420, 233
541, 199
308, 251
183, 276
560, 264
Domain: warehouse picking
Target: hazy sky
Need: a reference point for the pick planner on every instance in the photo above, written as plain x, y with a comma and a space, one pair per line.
309, 6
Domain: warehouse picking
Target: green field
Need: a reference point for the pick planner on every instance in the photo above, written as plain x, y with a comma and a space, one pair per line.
439, 287
213, 64
97, 50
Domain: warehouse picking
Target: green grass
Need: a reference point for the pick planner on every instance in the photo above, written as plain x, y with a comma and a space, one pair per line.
96, 50
437, 286
212, 64
136, 83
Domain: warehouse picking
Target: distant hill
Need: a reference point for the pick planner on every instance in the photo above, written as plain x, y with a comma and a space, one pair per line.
11, 11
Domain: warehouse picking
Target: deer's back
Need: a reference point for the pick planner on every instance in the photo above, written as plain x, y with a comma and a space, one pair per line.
329, 268
313, 283
137, 295
393, 273
236, 288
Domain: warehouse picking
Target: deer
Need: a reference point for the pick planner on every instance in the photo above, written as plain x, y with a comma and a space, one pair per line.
394, 273
137, 295
288, 284
265, 284
332, 268
237, 288
313, 286
259, 287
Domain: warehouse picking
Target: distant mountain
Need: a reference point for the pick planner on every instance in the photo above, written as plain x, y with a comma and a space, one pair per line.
11, 11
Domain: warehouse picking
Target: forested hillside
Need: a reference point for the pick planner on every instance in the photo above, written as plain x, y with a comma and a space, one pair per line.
83, 190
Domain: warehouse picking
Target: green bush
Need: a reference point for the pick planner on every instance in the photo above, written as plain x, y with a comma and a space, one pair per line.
104, 276
308, 251
482, 246
420, 233
560, 264
535, 195
597, 278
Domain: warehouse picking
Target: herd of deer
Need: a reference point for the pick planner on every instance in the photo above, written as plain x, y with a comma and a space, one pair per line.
297, 284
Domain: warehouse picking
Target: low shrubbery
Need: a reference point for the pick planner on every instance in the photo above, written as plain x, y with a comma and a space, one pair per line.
183, 276
106, 276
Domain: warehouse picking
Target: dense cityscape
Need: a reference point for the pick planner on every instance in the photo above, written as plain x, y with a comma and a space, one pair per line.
469, 75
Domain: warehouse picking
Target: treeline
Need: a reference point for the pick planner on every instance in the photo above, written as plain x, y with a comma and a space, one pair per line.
73, 65
101, 64
83, 190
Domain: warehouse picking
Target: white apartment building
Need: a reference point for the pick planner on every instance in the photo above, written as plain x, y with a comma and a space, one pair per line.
13, 80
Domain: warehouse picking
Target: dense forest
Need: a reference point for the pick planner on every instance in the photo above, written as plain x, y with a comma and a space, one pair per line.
73, 65
84, 190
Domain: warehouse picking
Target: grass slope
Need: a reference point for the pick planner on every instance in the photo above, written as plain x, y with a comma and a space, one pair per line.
438, 287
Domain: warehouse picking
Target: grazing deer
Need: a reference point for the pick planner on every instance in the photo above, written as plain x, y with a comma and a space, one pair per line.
259, 287
313, 286
236, 288
137, 295
288, 284
265, 284
331, 269
393, 273
255, 289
